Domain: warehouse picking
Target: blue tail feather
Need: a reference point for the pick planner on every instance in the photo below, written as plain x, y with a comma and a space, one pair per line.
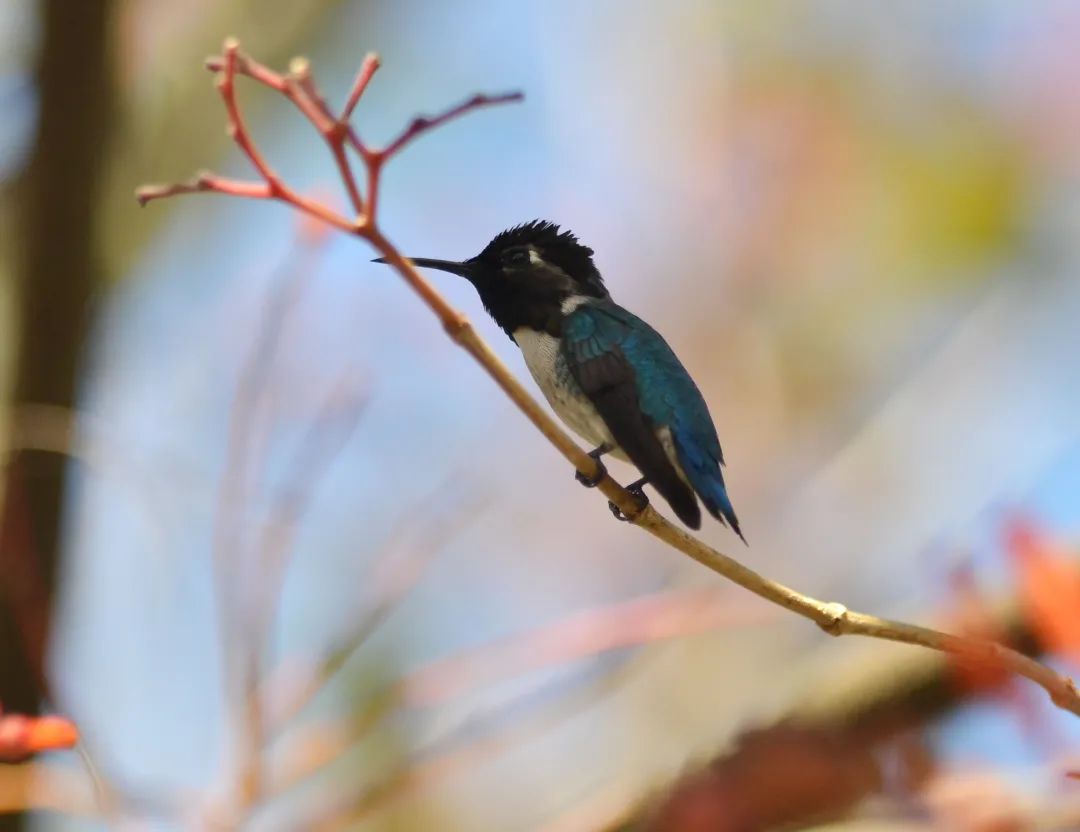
702, 469
719, 505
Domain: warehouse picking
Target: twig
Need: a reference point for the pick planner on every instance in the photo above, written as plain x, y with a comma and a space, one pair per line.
251, 630
834, 618
226, 552
363, 78
421, 124
633, 623
337, 418
397, 569
299, 88
468, 746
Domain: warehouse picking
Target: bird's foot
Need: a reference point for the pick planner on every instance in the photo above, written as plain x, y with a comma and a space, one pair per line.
601, 469
592, 482
636, 490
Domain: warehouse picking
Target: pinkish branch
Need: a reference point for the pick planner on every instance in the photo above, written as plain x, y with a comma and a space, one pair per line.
422, 124
299, 87
237, 128
360, 83
205, 182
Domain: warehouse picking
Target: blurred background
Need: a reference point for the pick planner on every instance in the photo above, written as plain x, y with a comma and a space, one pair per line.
238, 454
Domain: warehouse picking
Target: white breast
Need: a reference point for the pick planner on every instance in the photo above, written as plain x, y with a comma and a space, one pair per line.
548, 367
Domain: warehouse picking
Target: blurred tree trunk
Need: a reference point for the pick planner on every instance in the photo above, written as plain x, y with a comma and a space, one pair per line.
58, 274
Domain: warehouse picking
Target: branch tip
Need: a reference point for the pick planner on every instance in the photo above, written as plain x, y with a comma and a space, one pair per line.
422, 124
363, 78
300, 67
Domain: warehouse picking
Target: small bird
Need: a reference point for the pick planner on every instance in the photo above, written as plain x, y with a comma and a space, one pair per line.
607, 374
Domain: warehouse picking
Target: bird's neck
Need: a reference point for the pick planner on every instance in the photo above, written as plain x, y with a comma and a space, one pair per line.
540, 309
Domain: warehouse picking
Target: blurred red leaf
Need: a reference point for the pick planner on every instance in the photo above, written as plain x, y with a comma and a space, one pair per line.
1073, 775
1049, 588
970, 615
23, 736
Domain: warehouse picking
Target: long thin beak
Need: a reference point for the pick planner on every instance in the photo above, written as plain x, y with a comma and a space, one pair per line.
452, 266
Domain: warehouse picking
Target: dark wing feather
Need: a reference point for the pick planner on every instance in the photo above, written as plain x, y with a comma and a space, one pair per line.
606, 377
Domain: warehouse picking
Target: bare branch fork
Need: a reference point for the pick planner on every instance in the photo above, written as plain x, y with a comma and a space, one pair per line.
299, 87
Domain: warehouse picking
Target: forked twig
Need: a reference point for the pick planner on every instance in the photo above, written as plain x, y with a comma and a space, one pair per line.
298, 86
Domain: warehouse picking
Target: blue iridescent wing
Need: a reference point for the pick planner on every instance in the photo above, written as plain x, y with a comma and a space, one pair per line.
634, 379
593, 346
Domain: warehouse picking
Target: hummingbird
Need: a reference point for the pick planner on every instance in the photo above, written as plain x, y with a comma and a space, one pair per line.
608, 375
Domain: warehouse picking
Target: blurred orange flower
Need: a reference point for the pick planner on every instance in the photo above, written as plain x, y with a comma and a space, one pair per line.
1049, 588
23, 736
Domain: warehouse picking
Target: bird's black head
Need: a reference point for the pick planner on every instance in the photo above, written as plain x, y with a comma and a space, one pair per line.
538, 252
525, 275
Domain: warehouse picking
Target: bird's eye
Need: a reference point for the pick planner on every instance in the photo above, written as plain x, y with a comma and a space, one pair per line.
516, 257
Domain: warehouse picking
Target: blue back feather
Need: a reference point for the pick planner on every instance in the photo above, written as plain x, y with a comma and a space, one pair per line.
666, 393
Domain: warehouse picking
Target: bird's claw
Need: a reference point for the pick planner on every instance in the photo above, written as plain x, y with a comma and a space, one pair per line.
636, 490
601, 469
593, 481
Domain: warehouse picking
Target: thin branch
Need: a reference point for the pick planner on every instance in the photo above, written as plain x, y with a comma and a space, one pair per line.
634, 623
205, 182
237, 128
327, 434
367, 70
375, 159
834, 618
631, 623
397, 569
226, 546
422, 124
252, 631
334, 131
299, 88
473, 743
